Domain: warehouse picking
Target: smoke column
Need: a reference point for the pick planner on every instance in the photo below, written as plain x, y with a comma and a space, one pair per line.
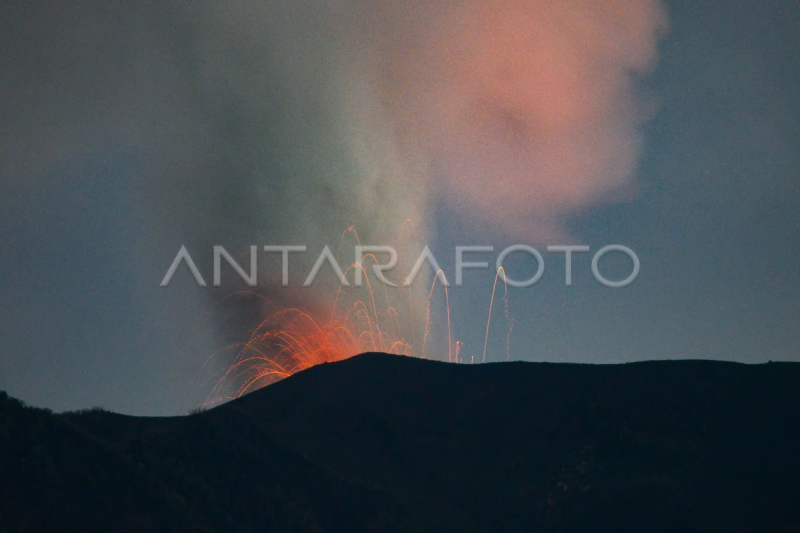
285, 122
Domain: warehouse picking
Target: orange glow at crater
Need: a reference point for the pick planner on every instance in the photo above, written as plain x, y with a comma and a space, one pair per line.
290, 340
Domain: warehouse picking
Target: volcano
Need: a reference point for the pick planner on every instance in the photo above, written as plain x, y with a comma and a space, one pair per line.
386, 443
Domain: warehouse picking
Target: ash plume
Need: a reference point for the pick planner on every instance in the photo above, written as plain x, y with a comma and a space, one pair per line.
282, 122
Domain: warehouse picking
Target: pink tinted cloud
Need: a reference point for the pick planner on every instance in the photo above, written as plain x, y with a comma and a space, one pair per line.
523, 111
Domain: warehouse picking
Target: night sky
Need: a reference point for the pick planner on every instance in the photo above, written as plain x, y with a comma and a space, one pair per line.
126, 132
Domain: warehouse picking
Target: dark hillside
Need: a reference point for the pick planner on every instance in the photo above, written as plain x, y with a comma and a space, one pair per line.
387, 443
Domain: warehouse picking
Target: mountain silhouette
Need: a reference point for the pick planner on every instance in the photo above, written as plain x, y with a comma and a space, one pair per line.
385, 443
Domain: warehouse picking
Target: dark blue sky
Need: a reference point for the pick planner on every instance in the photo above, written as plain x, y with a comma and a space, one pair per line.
92, 213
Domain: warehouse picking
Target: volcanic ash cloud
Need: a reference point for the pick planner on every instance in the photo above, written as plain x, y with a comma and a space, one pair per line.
521, 112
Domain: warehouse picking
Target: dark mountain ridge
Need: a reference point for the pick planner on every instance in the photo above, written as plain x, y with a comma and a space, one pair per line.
389, 443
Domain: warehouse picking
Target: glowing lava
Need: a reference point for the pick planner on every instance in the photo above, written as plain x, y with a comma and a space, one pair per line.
291, 339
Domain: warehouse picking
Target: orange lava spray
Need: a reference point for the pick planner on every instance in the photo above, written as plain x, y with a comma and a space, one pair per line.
291, 339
